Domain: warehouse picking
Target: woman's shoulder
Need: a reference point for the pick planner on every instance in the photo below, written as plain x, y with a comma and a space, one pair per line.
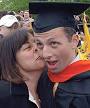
14, 95
8, 89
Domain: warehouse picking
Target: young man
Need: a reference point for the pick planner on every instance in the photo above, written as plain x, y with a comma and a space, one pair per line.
56, 36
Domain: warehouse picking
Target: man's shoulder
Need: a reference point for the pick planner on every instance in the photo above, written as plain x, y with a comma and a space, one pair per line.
79, 84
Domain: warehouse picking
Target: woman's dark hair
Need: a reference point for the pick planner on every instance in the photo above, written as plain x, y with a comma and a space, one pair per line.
8, 49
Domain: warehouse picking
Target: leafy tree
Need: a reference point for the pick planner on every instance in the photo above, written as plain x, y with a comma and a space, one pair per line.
14, 5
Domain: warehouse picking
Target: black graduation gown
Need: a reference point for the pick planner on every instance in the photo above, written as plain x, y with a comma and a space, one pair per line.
45, 91
14, 96
74, 93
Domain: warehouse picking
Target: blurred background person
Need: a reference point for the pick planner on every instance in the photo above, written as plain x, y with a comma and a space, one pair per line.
8, 24
28, 20
21, 13
20, 19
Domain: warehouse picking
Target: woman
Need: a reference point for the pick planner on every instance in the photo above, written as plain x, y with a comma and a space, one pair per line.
21, 68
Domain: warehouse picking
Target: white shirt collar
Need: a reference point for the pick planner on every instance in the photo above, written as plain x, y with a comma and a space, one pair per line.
77, 58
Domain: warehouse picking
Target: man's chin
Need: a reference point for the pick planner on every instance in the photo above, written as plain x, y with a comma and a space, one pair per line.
55, 71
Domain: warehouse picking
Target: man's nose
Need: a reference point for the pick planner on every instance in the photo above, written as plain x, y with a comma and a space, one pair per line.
46, 52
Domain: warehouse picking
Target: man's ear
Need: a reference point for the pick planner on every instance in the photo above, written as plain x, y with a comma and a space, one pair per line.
75, 40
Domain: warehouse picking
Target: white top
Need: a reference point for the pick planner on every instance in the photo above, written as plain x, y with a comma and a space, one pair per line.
31, 98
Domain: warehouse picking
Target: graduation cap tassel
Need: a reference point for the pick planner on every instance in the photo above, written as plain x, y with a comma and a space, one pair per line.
85, 47
87, 34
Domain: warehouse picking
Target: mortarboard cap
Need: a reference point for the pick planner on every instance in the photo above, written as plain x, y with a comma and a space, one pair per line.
55, 14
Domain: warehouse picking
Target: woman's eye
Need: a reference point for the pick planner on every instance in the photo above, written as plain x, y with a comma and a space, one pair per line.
39, 45
27, 47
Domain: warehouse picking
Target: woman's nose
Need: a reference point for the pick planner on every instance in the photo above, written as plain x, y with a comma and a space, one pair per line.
35, 48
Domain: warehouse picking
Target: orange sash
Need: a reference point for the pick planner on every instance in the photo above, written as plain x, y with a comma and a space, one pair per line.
72, 70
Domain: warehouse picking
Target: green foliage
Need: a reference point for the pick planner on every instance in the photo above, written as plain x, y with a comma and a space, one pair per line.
14, 5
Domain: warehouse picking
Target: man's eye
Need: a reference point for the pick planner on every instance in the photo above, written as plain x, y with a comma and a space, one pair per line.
54, 44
